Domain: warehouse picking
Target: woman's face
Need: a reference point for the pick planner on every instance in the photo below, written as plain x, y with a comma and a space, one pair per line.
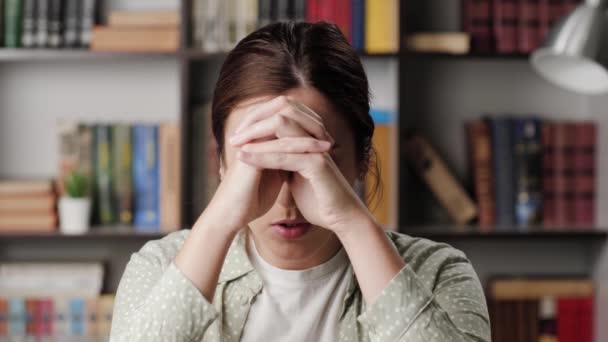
276, 201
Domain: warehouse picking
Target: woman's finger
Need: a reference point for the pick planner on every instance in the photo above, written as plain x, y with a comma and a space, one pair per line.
289, 145
261, 111
277, 126
294, 162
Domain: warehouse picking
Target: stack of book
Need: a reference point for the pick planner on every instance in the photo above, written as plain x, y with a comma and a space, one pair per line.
370, 25
47, 23
58, 300
27, 206
512, 26
529, 172
138, 31
531, 310
135, 172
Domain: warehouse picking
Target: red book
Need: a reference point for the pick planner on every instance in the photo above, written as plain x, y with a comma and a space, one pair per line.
480, 157
326, 10
543, 20
32, 318
584, 173
528, 26
477, 21
505, 25
567, 320
3, 317
586, 321
46, 311
312, 10
564, 141
343, 16
556, 11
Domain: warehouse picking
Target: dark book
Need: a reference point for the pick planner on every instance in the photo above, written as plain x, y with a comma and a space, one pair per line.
28, 24
264, 12
549, 156
527, 30
55, 23
480, 157
104, 206
298, 10
584, 173
12, 23
544, 14
1, 23
280, 10
502, 162
547, 318
88, 14
563, 181
527, 164
146, 178
477, 22
122, 160
358, 25
71, 19
43, 16
505, 24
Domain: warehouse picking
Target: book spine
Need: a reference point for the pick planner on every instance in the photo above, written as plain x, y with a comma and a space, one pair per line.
264, 12
584, 173
87, 21
146, 177
85, 152
280, 10
556, 11
312, 11
528, 170
17, 317
586, 319
61, 317
525, 28
564, 174
543, 20
358, 24
477, 21
299, 10
55, 23
77, 317
480, 152
121, 173
1, 23
567, 330
547, 319
28, 24
343, 18
71, 22
170, 177
502, 163
549, 175
91, 321
103, 175
505, 25
381, 26
46, 317
31, 321
3, 315
105, 309
12, 23
42, 23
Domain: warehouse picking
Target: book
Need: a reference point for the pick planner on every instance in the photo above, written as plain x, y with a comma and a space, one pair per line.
103, 206
138, 19
477, 21
502, 163
122, 185
525, 288
480, 157
437, 176
1, 23
42, 23
264, 12
146, 177
505, 23
528, 26
27, 204
549, 156
17, 317
25, 187
584, 173
298, 12
527, 164
71, 22
343, 16
457, 43
312, 11
381, 26
13, 17
563, 173
88, 14
358, 24
28, 23
32, 223
3, 316
135, 39
170, 177
55, 29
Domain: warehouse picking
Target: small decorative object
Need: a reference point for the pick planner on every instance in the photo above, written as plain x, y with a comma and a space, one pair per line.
75, 205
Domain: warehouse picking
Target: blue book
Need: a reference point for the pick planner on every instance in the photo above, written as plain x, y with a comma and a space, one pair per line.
77, 317
528, 167
358, 24
504, 179
146, 178
17, 317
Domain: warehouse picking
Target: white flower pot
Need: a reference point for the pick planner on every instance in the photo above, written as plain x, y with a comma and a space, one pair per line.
74, 214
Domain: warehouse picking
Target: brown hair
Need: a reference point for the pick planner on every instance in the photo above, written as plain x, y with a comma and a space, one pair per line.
287, 55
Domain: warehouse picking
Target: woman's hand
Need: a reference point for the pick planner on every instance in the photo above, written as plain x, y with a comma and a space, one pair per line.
299, 144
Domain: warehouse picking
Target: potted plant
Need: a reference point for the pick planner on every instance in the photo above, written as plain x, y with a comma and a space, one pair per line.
75, 204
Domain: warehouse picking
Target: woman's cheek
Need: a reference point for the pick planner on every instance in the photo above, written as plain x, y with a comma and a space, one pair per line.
268, 191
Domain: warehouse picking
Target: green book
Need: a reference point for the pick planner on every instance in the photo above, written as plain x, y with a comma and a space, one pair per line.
122, 160
1, 23
13, 11
103, 175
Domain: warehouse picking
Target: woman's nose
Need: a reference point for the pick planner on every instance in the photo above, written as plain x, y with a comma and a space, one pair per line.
285, 199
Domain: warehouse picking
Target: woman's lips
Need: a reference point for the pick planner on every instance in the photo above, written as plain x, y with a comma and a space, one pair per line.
291, 229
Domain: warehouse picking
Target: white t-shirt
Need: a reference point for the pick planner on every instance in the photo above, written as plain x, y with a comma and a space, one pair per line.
302, 305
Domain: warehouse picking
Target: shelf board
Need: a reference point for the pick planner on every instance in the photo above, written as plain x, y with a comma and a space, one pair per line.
363, 54
473, 232
16, 55
474, 55
95, 233
201, 55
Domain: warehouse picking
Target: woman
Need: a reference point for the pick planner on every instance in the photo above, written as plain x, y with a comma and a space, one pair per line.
286, 251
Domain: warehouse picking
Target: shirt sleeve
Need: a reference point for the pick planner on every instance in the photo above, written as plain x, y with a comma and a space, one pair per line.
418, 307
158, 303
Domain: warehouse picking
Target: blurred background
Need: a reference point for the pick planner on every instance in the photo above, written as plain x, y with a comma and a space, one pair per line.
490, 121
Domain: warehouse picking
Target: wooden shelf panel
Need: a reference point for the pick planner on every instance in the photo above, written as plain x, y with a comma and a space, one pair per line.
16, 55
474, 232
96, 233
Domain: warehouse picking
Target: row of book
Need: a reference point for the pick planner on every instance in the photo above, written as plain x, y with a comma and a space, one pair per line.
135, 171
47, 23
27, 205
532, 310
370, 25
512, 26
54, 299
528, 172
